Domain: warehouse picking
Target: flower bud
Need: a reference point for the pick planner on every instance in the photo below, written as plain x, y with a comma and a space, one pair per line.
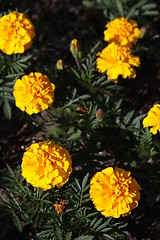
99, 113
59, 64
75, 48
143, 32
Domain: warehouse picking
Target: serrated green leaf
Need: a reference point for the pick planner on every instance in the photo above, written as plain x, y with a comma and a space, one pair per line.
128, 117
68, 236
17, 222
85, 180
97, 223
12, 174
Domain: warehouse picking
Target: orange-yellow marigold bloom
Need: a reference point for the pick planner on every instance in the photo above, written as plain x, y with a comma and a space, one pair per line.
153, 119
116, 60
46, 165
114, 192
122, 31
16, 33
33, 93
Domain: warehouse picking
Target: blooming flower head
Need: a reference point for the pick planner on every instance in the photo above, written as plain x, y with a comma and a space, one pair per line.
33, 93
46, 165
114, 192
122, 31
116, 60
153, 119
16, 33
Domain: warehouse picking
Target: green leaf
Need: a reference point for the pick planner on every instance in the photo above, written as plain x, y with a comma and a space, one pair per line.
150, 13
85, 180
84, 237
149, 6
7, 109
128, 117
78, 185
119, 7
108, 237
17, 222
68, 236
97, 223
11, 171
75, 136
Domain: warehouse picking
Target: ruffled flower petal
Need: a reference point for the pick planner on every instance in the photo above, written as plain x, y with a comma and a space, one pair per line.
114, 192
46, 165
153, 119
116, 60
33, 93
16, 33
122, 31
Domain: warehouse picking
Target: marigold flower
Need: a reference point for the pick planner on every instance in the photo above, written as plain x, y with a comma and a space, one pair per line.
116, 60
60, 207
46, 165
122, 31
114, 192
16, 33
153, 119
33, 93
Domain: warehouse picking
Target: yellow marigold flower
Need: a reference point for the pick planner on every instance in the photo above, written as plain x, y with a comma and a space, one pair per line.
33, 93
16, 33
114, 192
46, 165
116, 60
122, 31
153, 119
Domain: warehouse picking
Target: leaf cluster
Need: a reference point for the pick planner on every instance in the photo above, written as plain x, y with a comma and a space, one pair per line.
25, 206
123, 8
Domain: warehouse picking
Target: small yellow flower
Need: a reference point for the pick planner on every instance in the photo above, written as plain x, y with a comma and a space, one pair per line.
116, 60
122, 31
46, 165
16, 33
153, 119
33, 93
114, 192
60, 207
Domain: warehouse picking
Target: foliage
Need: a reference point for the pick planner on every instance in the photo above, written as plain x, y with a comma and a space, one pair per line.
123, 8
27, 206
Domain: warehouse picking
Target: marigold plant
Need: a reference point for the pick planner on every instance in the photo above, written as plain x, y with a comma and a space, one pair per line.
153, 119
114, 192
116, 60
122, 31
46, 165
33, 93
16, 33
